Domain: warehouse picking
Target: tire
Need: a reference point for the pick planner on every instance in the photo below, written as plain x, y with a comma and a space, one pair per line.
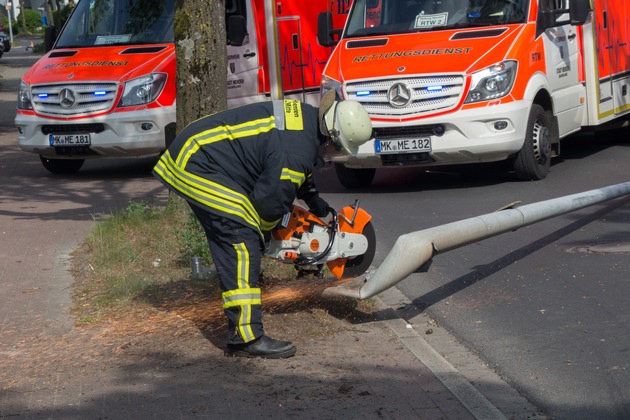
62, 166
354, 178
534, 159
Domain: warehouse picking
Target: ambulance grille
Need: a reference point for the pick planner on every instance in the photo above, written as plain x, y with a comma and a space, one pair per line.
426, 95
73, 99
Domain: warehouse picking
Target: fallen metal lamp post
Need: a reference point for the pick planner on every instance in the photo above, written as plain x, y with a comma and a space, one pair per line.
413, 250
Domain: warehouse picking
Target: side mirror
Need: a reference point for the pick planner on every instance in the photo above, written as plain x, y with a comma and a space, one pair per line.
325, 32
579, 11
236, 30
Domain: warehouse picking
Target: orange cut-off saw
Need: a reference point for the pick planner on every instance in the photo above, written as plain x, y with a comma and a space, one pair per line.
345, 243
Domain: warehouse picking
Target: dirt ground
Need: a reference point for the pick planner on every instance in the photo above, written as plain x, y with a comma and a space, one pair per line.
171, 355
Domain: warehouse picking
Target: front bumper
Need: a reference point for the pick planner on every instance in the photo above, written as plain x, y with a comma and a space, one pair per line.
470, 136
117, 135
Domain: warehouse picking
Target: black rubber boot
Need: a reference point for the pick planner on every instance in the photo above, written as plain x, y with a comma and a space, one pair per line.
264, 347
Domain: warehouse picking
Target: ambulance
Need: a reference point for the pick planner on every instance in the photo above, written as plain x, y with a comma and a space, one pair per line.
463, 81
107, 86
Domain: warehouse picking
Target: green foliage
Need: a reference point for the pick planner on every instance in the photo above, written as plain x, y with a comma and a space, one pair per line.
33, 21
4, 21
129, 252
39, 48
62, 15
192, 241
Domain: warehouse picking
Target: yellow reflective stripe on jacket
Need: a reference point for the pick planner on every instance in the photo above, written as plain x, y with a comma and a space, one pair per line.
292, 176
238, 297
265, 225
223, 132
207, 192
293, 115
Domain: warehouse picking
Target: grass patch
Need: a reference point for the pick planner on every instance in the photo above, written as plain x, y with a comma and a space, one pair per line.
129, 253
136, 263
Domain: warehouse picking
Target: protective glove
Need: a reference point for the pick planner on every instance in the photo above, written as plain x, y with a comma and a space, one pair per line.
318, 206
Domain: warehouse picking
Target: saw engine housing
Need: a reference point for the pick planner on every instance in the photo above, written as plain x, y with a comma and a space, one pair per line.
345, 244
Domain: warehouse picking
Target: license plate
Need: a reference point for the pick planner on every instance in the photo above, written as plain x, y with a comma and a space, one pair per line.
403, 145
69, 140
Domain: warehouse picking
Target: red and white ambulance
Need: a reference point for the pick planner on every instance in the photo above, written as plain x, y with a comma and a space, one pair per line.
463, 81
276, 54
107, 87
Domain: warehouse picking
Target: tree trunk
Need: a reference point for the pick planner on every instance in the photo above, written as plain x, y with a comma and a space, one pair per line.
23, 17
49, 13
200, 46
57, 22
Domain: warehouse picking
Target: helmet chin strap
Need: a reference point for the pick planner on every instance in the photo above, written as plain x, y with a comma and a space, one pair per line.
332, 132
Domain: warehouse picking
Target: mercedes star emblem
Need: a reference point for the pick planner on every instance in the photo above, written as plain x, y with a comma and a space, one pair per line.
66, 98
399, 95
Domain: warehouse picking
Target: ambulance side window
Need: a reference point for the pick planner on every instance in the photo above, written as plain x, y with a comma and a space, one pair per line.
236, 22
549, 5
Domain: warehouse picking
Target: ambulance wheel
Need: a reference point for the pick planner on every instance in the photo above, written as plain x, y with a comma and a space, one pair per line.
354, 178
62, 166
533, 160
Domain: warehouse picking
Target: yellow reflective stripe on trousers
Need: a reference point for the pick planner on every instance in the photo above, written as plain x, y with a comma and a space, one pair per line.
292, 176
243, 297
224, 132
207, 192
239, 297
242, 267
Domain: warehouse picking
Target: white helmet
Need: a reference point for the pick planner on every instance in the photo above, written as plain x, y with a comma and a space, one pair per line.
347, 123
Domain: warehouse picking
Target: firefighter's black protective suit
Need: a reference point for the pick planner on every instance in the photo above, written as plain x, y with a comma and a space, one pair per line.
240, 170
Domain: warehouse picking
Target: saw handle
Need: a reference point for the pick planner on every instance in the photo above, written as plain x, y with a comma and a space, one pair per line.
332, 230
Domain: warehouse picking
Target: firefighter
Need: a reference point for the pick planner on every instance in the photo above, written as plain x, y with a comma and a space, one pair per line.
240, 171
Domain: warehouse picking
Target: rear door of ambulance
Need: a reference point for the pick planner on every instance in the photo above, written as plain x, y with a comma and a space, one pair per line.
562, 55
244, 61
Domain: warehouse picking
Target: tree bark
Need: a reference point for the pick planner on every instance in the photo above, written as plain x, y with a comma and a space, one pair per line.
200, 47
23, 18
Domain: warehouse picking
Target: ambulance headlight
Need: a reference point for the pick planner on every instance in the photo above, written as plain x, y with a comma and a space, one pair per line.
143, 90
493, 82
328, 83
24, 97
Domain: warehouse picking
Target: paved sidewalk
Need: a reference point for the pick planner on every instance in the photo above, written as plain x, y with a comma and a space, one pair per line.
380, 369
50, 368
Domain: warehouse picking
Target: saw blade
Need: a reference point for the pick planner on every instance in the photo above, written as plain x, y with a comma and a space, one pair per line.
358, 265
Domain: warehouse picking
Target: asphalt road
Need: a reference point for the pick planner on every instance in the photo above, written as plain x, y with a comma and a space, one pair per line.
546, 306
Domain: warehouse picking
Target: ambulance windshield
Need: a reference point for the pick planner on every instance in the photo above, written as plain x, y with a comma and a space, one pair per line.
383, 17
118, 22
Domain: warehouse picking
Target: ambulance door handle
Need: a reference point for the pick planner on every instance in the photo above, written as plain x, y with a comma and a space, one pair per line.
249, 54
572, 37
